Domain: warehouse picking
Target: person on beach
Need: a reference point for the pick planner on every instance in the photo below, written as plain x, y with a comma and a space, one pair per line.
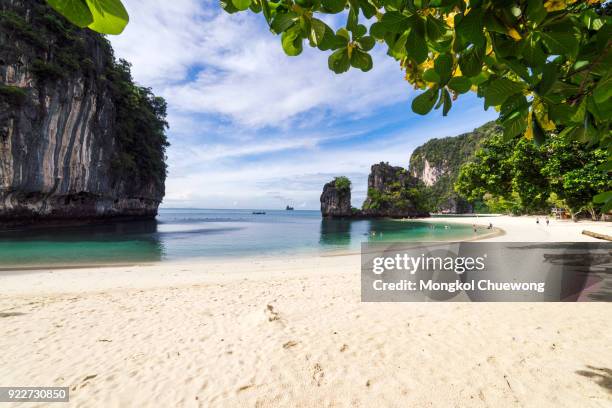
547, 222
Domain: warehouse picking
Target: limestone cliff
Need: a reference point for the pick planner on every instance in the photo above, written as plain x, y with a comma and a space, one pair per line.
78, 139
394, 193
437, 164
336, 199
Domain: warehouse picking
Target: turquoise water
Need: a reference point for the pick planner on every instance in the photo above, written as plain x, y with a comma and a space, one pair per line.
179, 234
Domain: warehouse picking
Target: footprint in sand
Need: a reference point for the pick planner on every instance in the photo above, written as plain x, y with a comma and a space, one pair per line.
271, 313
318, 374
290, 344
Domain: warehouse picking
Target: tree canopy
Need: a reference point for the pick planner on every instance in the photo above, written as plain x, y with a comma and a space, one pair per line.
521, 177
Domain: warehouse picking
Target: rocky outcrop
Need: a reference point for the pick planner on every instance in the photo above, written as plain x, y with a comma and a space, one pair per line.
394, 193
71, 144
437, 164
336, 200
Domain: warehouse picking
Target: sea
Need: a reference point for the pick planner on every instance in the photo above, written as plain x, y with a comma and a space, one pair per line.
182, 234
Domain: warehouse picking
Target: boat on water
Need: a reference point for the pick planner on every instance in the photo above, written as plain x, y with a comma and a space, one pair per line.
259, 212
289, 208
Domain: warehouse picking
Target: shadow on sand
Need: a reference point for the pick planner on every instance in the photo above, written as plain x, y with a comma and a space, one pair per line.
601, 376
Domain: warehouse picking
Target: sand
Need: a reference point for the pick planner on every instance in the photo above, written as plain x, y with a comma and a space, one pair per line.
266, 332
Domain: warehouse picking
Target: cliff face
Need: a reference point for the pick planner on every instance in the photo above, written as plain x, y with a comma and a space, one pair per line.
437, 164
393, 192
72, 145
336, 200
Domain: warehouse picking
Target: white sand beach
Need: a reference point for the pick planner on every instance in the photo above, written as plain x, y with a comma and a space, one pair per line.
278, 332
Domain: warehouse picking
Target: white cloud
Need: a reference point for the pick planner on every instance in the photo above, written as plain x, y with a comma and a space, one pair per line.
251, 127
242, 72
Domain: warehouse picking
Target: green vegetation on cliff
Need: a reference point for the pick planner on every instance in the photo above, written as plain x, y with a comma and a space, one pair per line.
54, 51
438, 162
141, 124
342, 184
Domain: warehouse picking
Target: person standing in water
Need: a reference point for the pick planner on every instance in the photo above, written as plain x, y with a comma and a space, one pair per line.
547, 221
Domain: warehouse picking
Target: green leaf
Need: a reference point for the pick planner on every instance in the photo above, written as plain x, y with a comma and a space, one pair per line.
499, 90
492, 23
448, 103
460, 84
539, 137
578, 116
351, 22
366, 43
603, 90
241, 4
416, 47
431, 75
425, 102
333, 6
255, 7
592, 20
550, 73
515, 103
330, 41
283, 21
338, 61
469, 30
399, 48
76, 11
368, 9
292, 41
536, 11
395, 22
317, 31
109, 16
378, 30
515, 125
470, 61
444, 67
265, 6
360, 31
533, 52
342, 32
560, 42
603, 197
228, 7
435, 28
361, 60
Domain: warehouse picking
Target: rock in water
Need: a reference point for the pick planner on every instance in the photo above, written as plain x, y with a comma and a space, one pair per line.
78, 140
393, 193
336, 199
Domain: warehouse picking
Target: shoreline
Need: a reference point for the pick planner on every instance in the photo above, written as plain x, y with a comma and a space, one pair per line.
298, 252
290, 331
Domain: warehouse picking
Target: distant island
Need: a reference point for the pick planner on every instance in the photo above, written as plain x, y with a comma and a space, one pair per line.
426, 186
392, 193
481, 172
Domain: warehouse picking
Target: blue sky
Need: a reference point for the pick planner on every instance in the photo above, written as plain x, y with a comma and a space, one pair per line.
253, 128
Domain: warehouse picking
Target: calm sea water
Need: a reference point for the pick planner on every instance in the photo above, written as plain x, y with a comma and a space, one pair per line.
179, 234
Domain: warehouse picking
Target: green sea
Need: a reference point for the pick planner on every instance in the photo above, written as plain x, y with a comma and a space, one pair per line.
179, 234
